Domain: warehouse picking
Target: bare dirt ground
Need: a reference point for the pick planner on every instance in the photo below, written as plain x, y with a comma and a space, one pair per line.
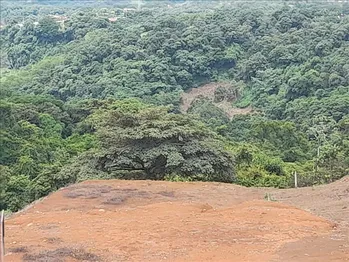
166, 221
208, 92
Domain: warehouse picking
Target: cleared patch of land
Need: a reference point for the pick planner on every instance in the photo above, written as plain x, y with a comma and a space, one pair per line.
208, 91
166, 221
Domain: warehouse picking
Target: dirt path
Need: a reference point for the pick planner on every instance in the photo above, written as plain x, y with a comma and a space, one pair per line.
164, 221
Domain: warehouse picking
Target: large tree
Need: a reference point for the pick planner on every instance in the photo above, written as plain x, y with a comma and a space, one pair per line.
135, 137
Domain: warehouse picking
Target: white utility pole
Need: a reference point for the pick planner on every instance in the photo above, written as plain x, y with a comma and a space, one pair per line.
2, 237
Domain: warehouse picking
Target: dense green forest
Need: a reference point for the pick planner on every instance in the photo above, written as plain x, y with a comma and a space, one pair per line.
94, 91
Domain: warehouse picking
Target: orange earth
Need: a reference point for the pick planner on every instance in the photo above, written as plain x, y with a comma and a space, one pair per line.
170, 221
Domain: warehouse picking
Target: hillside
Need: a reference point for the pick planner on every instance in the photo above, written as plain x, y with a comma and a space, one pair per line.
165, 221
98, 90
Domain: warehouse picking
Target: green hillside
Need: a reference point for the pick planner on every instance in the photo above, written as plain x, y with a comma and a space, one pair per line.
95, 92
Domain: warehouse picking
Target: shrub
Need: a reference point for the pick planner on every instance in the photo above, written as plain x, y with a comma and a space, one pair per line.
258, 177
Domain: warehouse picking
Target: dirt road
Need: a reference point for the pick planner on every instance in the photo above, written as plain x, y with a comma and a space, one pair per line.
166, 221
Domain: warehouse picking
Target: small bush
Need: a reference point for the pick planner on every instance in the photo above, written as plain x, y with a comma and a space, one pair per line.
257, 177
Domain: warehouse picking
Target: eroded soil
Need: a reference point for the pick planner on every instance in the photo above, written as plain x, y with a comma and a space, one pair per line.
166, 221
208, 91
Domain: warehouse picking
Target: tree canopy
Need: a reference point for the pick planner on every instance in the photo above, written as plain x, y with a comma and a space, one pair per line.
156, 143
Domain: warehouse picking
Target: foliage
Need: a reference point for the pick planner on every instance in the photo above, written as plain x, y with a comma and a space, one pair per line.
68, 71
258, 178
152, 140
208, 112
37, 138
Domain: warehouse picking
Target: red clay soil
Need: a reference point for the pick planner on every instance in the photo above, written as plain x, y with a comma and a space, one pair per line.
167, 221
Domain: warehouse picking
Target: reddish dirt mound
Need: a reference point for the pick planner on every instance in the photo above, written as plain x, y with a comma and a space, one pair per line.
208, 92
328, 201
164, 221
